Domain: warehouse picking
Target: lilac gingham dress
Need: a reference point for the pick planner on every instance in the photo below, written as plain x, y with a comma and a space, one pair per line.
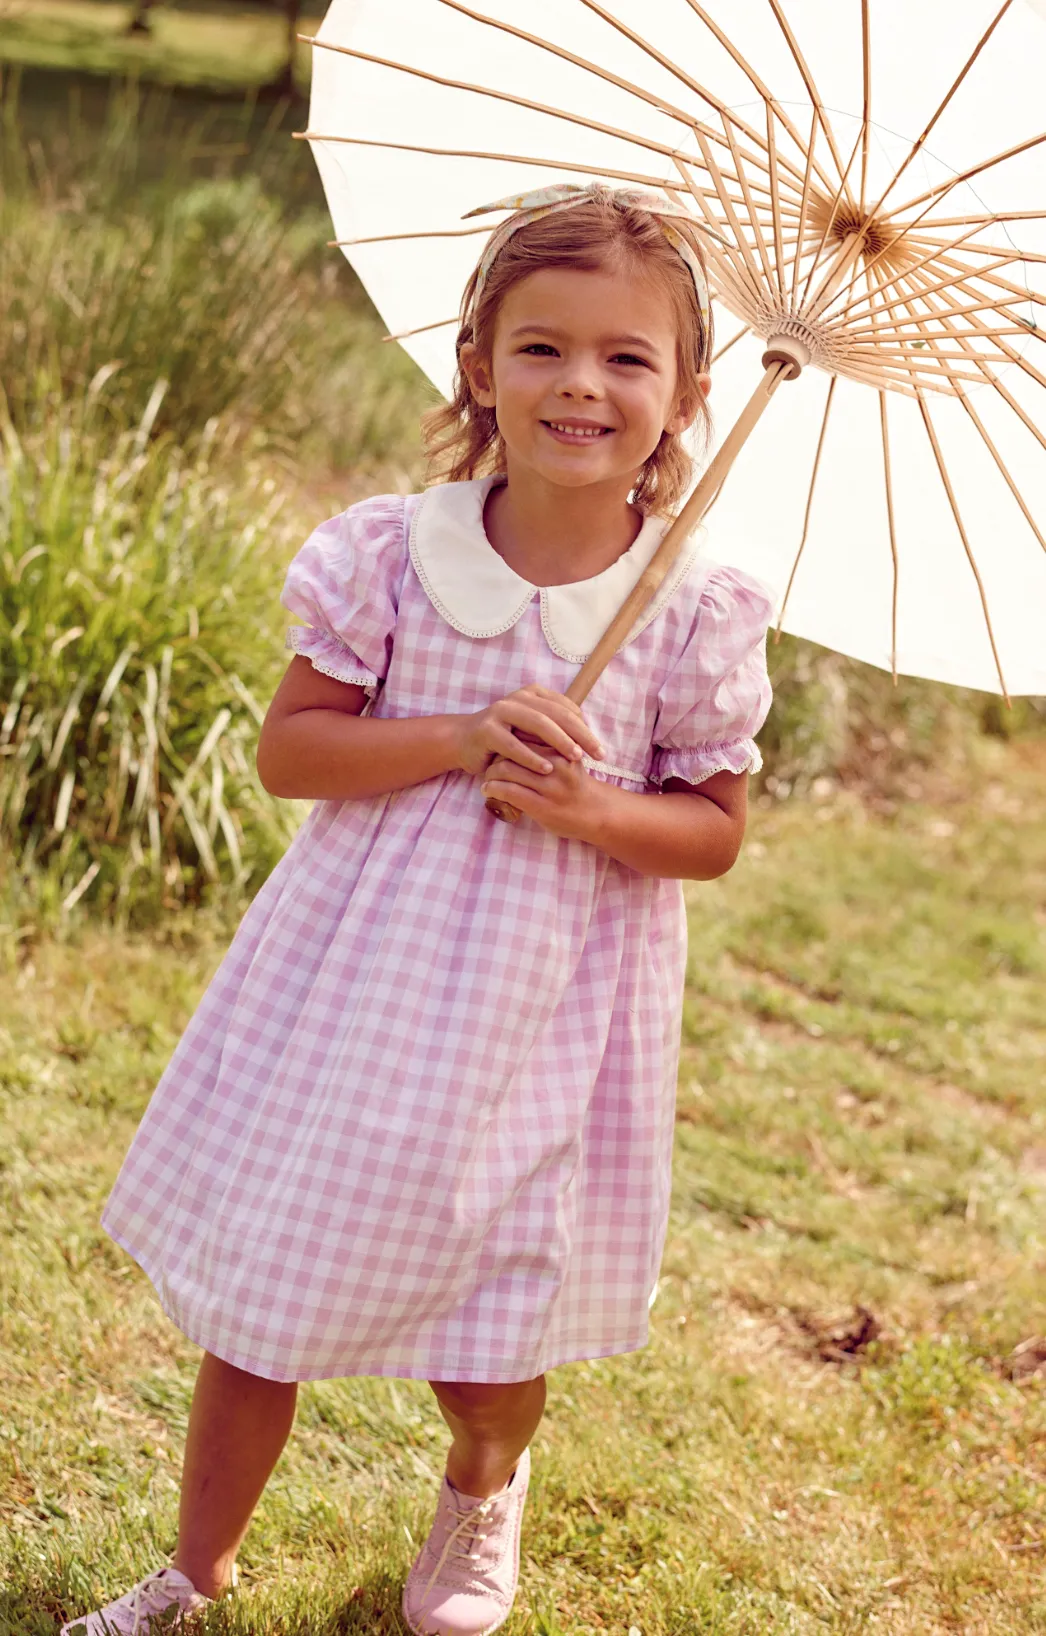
421, 1123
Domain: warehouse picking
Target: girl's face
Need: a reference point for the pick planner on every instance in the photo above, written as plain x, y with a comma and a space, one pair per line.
583, 375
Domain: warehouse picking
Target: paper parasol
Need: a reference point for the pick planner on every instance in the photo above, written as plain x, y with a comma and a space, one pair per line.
870, 180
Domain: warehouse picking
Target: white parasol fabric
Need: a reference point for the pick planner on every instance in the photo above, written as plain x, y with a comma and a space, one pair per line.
907, 525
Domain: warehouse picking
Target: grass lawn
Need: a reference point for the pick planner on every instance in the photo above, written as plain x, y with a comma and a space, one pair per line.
826, 1433
226, 47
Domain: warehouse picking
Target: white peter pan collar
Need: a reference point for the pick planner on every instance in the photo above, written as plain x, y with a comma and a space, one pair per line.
477, 592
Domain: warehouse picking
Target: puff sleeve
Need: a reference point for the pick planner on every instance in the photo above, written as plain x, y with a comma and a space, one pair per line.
345, 585
717, 695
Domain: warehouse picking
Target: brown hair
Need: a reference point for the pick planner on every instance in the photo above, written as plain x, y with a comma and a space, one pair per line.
462, 437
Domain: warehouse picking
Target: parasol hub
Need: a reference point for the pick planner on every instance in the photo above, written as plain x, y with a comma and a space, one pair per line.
790, 350
839, 223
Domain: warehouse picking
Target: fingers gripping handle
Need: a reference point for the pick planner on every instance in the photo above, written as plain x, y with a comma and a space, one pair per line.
578, 691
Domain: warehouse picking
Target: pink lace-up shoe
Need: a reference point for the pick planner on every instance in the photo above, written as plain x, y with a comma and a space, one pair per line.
164, 1601
464, 1580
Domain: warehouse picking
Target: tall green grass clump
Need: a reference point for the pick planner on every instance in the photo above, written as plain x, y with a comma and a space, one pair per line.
180, 354
138, 606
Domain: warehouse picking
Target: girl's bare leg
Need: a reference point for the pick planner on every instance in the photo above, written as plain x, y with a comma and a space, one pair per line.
491, 1426
237, 1429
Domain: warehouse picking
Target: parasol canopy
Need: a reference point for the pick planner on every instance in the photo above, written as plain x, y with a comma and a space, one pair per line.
869, 178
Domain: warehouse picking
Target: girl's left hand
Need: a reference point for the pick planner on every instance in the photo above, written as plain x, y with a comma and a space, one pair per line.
565, 801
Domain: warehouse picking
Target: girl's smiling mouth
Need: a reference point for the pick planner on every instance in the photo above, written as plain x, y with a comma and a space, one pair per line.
576, 431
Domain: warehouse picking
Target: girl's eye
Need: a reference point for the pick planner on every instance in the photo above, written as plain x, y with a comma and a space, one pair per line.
629, 358
541, 348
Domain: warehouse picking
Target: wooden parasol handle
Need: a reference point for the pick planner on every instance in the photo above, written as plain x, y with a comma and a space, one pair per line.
655, 573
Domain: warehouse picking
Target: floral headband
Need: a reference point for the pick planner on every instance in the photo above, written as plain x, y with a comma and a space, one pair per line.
549, 201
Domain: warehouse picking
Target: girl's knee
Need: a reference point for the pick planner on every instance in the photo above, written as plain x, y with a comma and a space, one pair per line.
469, 1398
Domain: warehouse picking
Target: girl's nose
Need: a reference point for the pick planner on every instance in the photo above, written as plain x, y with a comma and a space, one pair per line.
579, 378
579, 384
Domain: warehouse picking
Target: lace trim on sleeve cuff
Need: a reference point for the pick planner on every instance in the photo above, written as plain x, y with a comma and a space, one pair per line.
694, 766
331, 657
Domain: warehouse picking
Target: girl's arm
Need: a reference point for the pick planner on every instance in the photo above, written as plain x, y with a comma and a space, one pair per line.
315, 745
685, 833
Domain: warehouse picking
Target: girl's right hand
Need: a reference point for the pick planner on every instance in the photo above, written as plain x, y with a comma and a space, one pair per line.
513, 726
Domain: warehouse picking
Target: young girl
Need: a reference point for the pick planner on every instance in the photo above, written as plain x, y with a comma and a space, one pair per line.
421, 1123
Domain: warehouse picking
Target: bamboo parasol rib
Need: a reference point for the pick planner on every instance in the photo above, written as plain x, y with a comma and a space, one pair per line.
639, 178
960, 525
1000, 462
866, 112
814, 94
886, 253
990, 218
964, 536
891, 519
1032, 257
892, 525
804, 206
775, 203
396, 238
942, 188
424, 329
920, 142
809, 501
722, 351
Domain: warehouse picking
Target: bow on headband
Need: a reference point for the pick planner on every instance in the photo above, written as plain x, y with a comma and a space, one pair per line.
549, 201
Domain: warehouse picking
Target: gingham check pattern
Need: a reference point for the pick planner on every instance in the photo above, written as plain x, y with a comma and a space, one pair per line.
421, 1122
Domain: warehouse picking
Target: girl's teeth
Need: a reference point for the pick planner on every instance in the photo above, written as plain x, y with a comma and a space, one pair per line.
577, 431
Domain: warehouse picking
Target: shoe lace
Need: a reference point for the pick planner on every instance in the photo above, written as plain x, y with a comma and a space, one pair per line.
460, 1542
149, 1598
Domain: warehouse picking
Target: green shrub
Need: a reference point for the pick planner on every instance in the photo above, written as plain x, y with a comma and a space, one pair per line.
179, 352
208, 282
837, 719
138, 646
